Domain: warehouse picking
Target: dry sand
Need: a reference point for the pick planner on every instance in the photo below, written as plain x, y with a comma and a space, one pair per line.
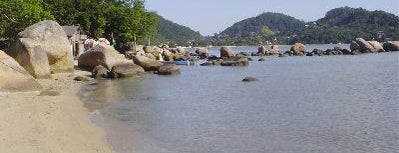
43, 124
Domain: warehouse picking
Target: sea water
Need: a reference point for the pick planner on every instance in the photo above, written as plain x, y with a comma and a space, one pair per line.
327, 104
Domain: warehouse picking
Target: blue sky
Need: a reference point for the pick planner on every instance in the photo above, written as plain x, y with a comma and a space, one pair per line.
213, 16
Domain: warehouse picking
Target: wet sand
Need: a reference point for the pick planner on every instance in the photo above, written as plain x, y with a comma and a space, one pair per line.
44, 124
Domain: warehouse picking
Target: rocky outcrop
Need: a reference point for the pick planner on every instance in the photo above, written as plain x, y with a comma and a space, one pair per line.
363, 46
151, 49
298, 49
169, 70
261, 51
202, 53
14, 78
377, 47
235, 61
51, 38
226, 52
391, 46
104, 55
147, 63
275, 50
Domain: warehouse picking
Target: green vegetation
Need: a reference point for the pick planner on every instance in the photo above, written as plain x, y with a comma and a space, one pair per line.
16, 15
340, 25
169, 32
119, 20
264, 28
128, 20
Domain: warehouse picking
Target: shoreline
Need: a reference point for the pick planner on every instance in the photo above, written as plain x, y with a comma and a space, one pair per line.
50, 124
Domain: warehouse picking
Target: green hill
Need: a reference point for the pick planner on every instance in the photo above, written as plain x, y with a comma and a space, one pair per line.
168, 31
339, 25
265, 26
276, 22
345, 24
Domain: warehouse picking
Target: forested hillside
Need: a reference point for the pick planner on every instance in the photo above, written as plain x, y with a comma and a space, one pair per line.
264, 27
345, 24
168, 31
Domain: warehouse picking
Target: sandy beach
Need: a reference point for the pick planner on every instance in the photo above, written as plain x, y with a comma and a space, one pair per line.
49, 124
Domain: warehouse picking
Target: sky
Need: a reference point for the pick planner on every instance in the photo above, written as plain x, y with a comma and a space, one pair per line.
213, 16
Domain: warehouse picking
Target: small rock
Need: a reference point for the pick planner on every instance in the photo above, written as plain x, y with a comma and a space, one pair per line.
261, 59
249, 79
100, 72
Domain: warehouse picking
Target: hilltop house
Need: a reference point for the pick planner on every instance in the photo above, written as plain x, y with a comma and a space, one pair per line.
75, 38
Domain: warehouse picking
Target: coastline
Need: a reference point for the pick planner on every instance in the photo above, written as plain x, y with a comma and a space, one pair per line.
46, 124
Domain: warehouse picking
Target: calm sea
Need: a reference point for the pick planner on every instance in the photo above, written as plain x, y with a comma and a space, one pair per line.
328, 104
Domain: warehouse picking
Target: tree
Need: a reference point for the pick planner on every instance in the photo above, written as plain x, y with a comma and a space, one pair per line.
16, 15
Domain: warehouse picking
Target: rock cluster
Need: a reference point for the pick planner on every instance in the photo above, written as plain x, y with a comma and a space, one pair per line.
42, 49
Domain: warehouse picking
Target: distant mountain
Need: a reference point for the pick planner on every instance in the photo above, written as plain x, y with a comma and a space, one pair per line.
339, 25
345, 24
263, 26
168, 31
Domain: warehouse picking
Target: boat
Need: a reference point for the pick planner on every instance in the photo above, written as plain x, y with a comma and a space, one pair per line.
179, 62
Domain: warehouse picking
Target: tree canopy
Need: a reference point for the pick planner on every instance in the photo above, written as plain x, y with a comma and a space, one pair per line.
120, 20
16, 15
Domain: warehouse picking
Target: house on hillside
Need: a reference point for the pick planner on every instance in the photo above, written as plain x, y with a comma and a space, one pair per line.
76, 39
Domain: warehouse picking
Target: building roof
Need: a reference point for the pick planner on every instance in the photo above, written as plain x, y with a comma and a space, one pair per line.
70, 30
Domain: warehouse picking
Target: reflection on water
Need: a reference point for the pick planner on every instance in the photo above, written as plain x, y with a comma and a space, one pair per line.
329, 104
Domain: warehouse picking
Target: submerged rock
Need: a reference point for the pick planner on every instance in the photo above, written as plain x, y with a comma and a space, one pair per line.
249, 79
235, 61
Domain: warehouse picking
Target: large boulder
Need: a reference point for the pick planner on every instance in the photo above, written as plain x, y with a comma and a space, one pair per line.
202, 53
50, 36
14, 78
104, 55
391, 46
235, 61
147, 63
226, 52
298, 49
32, 57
